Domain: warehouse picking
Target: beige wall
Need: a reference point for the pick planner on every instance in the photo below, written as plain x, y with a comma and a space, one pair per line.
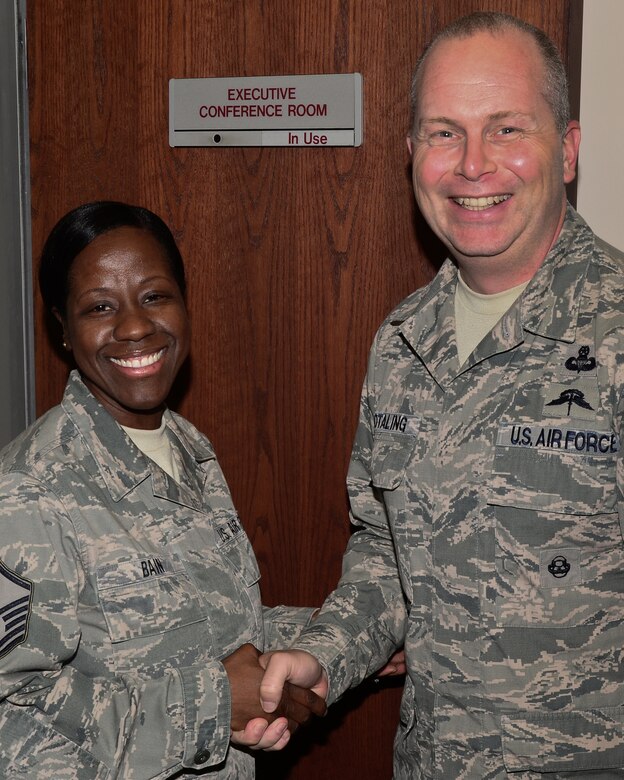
601, 167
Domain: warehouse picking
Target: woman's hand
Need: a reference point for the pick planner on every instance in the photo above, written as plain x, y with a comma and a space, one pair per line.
251, 725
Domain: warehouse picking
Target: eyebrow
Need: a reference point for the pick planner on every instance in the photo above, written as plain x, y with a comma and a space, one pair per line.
495, 117
107, 290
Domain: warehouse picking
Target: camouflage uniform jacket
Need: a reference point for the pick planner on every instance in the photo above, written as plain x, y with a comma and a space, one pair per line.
120, 590
489, 501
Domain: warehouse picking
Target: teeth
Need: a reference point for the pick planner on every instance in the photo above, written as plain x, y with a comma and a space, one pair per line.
139, 362
477, 204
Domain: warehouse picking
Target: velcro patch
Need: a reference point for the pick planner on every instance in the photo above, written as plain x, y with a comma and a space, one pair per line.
395, 422
553, 439
15, 608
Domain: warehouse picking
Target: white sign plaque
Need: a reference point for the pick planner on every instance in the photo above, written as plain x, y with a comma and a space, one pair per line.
304, 111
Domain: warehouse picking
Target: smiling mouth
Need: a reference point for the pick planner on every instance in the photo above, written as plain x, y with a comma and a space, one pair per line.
139, 362
480, 204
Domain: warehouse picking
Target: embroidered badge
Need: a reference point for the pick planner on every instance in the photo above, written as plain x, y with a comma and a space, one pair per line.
15, 608
571, 397
228, 529
581, 363
395, 422
553, 439
559, 566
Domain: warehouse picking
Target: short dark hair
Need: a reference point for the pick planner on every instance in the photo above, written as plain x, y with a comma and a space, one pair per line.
556, 82
82, 225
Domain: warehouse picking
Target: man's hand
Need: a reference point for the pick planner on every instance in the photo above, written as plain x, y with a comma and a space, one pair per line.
395, 666
251, 725
294, 667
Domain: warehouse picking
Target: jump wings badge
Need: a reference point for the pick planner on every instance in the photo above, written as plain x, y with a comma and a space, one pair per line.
15, 604
581, 363
570, 397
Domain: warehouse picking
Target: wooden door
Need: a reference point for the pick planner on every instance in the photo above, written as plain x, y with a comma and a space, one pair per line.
294, 256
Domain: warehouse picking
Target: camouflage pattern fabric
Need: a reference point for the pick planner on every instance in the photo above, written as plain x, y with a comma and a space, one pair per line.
489, 504
120, 590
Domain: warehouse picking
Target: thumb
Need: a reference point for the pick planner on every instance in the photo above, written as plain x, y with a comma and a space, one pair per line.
278, 670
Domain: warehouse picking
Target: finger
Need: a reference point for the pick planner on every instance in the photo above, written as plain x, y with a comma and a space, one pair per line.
272, 685
387, 670
275, 737
264, 659
306, 698
292, 709
281, 743
253, 732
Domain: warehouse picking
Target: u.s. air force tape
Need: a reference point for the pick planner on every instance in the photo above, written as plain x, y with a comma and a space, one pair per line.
550, 438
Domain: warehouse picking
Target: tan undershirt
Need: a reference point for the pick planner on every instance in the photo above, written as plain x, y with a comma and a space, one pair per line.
476, 314
156, 445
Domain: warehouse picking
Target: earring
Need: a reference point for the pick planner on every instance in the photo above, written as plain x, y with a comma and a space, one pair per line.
64, 344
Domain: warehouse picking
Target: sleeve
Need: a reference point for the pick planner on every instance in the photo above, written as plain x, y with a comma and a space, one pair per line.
282, 625
59, 721
363, 621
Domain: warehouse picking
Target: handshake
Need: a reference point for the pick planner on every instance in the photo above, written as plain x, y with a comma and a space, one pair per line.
266, 708
275, 693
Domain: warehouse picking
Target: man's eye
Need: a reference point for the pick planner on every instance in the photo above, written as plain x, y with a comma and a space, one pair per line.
508, 130
440, 137
100, 307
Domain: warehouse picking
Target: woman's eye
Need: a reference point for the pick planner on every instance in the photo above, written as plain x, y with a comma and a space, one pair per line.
99, 308
153, 297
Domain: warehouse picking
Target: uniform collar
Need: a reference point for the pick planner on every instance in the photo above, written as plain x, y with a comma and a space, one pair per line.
549, 306
122, 465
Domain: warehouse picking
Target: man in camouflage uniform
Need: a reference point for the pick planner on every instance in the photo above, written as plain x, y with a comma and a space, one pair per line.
120, 592
486, 475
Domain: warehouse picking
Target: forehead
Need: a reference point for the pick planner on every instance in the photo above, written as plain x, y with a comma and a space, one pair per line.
121, 251
505, 67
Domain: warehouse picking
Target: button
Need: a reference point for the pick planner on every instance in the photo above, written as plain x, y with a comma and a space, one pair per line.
201, 756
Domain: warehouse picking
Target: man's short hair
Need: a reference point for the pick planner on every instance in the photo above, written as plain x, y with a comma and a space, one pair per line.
556, 82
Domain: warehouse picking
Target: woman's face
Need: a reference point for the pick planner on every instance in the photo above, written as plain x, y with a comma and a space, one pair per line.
126, 324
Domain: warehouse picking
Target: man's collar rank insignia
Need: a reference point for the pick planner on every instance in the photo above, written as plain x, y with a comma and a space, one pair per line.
15, 606
581, 363
570, 397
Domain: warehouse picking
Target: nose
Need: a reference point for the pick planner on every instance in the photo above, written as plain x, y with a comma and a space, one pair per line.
133, 323
475, 160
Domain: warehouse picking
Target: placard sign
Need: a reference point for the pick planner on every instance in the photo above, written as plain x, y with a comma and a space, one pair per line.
304, 111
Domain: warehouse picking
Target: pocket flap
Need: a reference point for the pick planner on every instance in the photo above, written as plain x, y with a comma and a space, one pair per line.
389, 459
564, 741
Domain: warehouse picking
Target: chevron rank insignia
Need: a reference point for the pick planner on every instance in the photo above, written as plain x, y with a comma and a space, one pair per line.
15, 606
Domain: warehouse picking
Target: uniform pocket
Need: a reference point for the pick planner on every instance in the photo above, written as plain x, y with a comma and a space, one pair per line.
559, 551
553, 480
389, 459
240, 555
141, 597
578, 741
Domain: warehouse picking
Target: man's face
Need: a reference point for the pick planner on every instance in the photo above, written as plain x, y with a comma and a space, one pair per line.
489, 167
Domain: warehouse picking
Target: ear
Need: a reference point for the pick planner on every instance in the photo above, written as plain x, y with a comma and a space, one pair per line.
571, 143
59, 317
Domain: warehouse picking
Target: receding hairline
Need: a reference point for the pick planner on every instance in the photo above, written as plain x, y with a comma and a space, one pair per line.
554, 87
